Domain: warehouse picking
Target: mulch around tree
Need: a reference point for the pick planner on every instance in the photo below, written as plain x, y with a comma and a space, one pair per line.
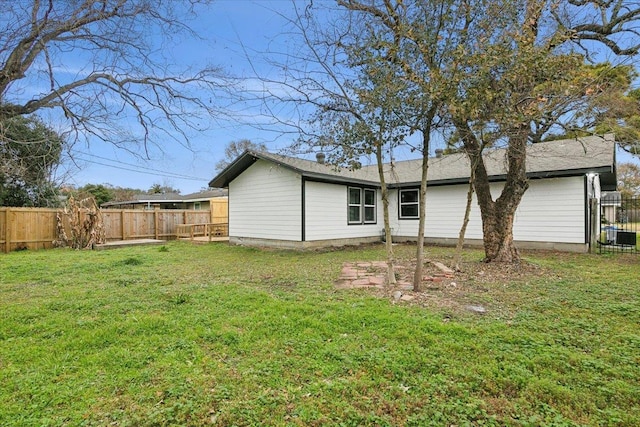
478, 287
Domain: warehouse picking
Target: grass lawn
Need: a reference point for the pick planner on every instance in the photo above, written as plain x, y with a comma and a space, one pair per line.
218, 335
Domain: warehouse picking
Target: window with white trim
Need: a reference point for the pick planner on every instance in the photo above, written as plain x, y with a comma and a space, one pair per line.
409, 204
362, 205
355, 205
369, 206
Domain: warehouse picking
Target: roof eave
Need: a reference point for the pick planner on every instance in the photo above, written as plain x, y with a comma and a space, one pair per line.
233, 170
602, 170
333, 179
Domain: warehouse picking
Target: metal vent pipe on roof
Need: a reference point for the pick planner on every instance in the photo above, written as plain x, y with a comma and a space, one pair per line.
320, 158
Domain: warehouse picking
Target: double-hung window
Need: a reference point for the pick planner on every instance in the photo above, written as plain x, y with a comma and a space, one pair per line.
409, 204
362, 205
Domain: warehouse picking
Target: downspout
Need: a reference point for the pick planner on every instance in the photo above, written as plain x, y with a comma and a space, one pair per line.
303, 222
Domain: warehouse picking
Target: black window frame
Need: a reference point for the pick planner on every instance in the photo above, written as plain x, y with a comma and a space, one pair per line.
413, 203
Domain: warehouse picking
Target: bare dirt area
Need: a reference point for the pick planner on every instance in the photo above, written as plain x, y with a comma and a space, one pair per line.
478, 288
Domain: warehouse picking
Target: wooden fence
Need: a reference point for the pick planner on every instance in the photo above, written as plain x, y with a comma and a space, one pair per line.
36, 228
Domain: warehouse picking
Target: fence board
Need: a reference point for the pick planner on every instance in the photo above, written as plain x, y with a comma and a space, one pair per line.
36, 228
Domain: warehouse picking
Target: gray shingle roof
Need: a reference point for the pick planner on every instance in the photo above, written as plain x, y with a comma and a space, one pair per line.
171, 197
554, 158
545, 159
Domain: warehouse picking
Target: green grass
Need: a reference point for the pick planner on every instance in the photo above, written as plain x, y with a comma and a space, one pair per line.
219, 335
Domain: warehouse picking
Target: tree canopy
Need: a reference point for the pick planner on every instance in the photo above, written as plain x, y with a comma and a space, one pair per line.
30, 153
506, 72
629, 180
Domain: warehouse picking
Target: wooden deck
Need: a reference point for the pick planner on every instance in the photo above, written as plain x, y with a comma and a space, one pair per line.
209, 230
205, 239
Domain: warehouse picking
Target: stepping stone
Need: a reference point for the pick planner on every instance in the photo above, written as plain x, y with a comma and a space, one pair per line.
377, 280
476, 309
360, 282
442, 267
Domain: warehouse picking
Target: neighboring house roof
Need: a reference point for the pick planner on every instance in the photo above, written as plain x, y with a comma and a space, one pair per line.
202, 196
172, 197
611, 198
568, 157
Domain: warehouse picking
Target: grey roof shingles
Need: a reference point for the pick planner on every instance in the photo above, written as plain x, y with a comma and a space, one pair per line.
172, 197
545, 159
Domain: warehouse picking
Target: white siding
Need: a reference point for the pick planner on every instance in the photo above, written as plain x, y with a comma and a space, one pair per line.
265, 202
326, 214
552, 210
445, 212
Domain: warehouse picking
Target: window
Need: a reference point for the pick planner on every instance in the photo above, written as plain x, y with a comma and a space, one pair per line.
409, 204
369, 206
362, 206
355, 205
197, 206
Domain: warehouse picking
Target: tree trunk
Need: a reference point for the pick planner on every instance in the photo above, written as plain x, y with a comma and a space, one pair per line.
497, 230
422, 201
391, 275
463, 230
497, 216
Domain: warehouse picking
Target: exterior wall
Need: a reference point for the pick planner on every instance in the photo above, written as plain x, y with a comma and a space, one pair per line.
552, 210
265, 202
265, 209
326, 214
445, 212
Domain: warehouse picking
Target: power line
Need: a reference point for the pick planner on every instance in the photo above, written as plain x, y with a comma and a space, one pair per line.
135, 166
151, 171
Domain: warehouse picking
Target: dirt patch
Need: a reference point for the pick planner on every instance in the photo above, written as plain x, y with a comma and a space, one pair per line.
478, 288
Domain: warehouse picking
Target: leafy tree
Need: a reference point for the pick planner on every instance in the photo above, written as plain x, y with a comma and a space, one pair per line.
121, 194
30, 153
394, 53
162, 189
521, 80
613, 107
95, 62
234, 149
353, 115
629, 180
507, 72
101, 193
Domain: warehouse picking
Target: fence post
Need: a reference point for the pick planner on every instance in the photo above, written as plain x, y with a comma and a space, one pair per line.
7, 231
155, 223
595, 225
122, 223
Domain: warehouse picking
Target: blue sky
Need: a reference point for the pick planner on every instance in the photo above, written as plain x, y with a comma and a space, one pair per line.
225, 26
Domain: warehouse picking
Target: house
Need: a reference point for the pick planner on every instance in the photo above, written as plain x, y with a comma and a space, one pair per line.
195, 201
289, 202
610, 203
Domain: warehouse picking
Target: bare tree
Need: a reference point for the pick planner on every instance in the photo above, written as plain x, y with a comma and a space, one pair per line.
338, 108
234, 149
105, 66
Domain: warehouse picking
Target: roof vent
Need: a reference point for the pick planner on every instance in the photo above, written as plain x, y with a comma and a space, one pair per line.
320, 158
439, 152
